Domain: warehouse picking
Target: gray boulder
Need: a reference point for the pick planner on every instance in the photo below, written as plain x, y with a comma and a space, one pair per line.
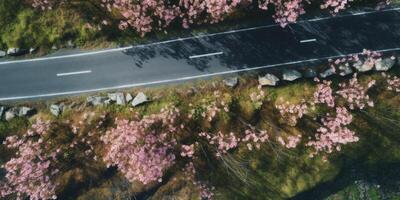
291, 75
70, 44
11, 114
363, 66
231, 82
139, 99
118, 97
121, 99
268, 79
310, 73
56, 110
345, 70
2, 54
128, 97
13, 51
385, 64
26, 111
2, 108
108, 101
32, 50
96, 100
328, 72
54, 47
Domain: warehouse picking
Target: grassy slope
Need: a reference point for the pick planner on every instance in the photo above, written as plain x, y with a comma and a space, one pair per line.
271, 173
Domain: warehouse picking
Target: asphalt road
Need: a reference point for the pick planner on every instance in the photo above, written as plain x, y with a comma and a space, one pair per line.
200, 56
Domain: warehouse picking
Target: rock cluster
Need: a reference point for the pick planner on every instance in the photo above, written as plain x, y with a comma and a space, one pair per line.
10, 113
268, 80
118, 98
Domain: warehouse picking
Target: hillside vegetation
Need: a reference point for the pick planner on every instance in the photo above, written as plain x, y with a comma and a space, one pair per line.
211, 141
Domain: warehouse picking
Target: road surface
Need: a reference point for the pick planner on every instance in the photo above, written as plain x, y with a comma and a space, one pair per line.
200, 56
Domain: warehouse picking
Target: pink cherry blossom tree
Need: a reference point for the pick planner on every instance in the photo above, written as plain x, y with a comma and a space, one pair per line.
324, 94
30, 173
355, 94
286, 11
292, 112
335, 6
290, 142
333, 133
142, 148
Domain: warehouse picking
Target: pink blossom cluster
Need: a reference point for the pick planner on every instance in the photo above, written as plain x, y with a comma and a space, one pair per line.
393, 82
224, 142
208, 109
335, 6
30, 173
286, 11
355, 94
323, 94
370, 57
292, 141
187, 150
206, 192
253, 138
207, 11
334, 132
292, 112
142, 148
341, 63
143, 15
257, 97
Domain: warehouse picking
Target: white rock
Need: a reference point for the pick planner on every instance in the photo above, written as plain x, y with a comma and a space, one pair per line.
31, 50
2, 54
385, 64
2, 108
13, 51
25, 111
268, 79
70, 44
139, 99
96, 100
128, 97
329, 72
11, 114
291, 75
112, 96
345, 70
362, 66
231, 82
118, 97
56, 110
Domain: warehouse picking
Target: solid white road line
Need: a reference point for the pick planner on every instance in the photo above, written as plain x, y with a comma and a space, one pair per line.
74, 73
359, 13
182, 78
205, 55
309, 40
188, 38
